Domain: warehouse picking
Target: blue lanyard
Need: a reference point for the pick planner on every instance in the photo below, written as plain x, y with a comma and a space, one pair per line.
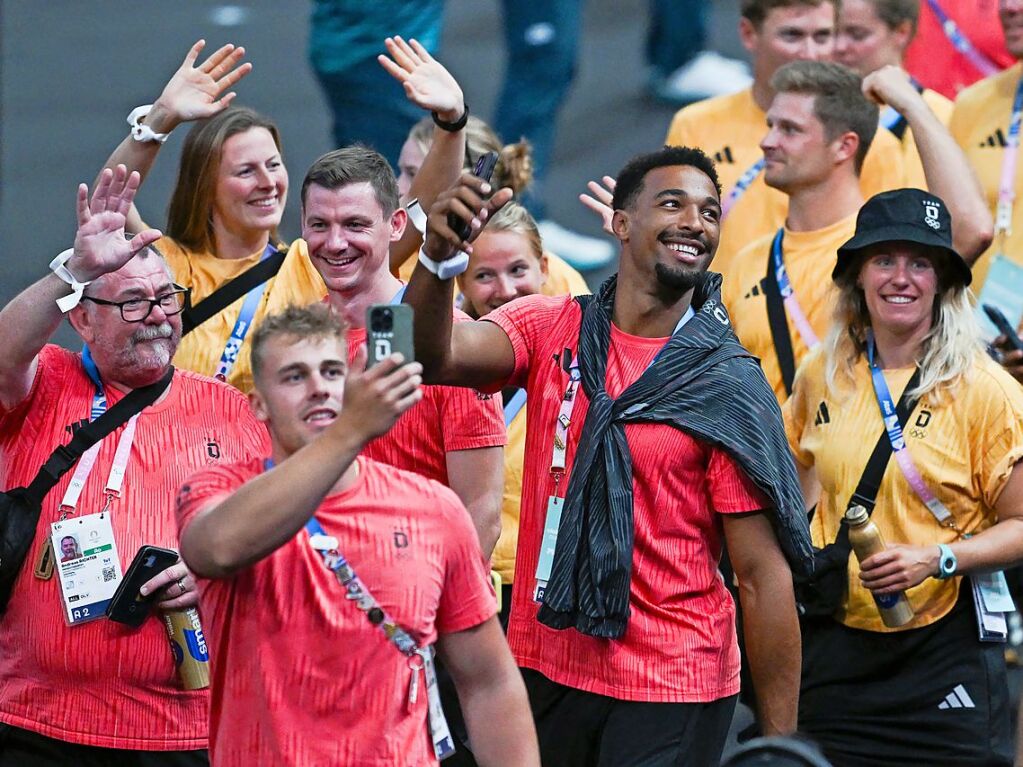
778, 258
884, 398
99, 398
514, 406
961, 42
242, 325
745, 182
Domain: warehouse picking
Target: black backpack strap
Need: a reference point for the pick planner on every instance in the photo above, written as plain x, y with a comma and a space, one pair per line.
866, 491
780, 336
231, 291
64, 457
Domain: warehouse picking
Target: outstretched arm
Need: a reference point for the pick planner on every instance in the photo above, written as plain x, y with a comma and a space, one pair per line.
491, 690
239, 530
192, 93
470, 353
28, 321
946, 168
431, 87
770, 625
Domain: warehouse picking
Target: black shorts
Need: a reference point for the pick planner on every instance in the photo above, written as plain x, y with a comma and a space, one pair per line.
583, 729
21, 748
934, 695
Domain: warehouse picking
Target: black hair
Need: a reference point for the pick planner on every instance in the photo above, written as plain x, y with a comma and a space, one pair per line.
630, 178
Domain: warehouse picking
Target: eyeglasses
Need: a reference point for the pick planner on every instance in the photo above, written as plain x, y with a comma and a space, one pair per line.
138, 309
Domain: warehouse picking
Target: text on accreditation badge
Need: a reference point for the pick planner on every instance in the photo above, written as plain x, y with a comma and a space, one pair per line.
88, 567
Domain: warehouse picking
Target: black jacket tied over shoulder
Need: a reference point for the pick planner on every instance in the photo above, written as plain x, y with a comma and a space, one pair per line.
703, 383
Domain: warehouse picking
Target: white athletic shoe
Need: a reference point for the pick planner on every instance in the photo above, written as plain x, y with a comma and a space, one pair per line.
582, 252
709, 74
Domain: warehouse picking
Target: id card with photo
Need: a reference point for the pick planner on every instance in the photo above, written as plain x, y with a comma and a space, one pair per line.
87, 564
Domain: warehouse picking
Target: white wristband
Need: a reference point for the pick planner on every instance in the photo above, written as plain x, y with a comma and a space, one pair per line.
448, 268
58, 267
416, 215
140, 131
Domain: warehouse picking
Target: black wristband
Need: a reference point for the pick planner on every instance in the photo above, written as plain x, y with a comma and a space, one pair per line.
454, 127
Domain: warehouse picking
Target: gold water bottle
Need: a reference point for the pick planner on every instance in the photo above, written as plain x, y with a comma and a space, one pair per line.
188, 646
866, 541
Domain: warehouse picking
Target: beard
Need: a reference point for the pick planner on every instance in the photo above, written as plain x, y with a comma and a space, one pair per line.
156, 355
678, 279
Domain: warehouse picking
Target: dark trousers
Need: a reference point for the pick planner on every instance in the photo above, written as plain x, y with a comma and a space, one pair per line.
583, 729
676, 33
932, 695
22, 748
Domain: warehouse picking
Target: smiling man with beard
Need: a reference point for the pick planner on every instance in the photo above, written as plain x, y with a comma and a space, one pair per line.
94, 692
652, 438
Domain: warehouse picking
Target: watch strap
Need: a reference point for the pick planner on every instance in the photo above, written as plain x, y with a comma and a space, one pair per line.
448, 268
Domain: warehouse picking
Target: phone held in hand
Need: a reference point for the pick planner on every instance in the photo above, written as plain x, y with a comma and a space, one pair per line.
128, 605
389, 330
999, 321
484, 169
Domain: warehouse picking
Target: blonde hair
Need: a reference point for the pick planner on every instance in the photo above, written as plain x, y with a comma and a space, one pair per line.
514, 161
947, 353
515, 218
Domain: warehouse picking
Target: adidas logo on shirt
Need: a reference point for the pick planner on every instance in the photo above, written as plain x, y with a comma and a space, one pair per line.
725, 155
757, 290
823, 417
958, 698
996, 139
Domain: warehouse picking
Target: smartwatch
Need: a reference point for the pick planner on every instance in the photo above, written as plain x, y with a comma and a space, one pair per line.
947, 562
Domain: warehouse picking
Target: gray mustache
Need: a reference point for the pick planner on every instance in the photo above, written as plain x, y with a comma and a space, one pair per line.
151, 332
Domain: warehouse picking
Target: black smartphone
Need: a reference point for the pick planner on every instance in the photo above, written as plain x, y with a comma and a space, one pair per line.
999, 321
128, 605
389, 330
484, 169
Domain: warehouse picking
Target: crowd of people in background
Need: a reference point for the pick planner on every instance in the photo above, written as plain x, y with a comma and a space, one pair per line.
585, 523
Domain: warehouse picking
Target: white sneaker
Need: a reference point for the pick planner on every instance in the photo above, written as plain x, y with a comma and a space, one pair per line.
580, 251
709, 74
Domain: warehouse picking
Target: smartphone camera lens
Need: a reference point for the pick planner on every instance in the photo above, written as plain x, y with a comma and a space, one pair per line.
382, 320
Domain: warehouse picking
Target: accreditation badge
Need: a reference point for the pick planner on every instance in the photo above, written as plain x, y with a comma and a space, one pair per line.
88, 568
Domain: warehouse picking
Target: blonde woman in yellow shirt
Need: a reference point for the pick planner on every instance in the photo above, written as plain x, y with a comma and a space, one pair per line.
949, 505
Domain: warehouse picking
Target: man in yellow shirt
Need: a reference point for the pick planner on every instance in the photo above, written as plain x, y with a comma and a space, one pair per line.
875, 33
779, 292
729, 128
980, 123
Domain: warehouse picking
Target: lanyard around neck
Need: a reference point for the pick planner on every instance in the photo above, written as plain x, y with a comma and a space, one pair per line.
119, 466
744, 183
961, 42
898, 440
560, 451
243, 324
1007, 183
788, 293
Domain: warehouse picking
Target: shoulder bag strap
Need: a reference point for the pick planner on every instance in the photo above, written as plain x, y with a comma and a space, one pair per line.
65, 456
231, 291
780, 336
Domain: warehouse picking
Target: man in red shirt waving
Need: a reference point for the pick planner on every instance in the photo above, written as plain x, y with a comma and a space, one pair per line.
651, 436
327, 578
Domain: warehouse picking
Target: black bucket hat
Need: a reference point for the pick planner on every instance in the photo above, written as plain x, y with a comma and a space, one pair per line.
904, 215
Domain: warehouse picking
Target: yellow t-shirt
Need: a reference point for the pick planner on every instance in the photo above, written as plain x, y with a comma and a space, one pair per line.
914, 169
964, 445
980, 125
296, 283
809, 259
729, 129
562, 280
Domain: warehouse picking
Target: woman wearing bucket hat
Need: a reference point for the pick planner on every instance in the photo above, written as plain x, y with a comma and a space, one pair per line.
950, 506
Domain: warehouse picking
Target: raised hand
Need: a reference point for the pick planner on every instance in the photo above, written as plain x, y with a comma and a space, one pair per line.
468, 201
891, 86
101, 246
375, 398
600, 201
427, 83
194, 92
